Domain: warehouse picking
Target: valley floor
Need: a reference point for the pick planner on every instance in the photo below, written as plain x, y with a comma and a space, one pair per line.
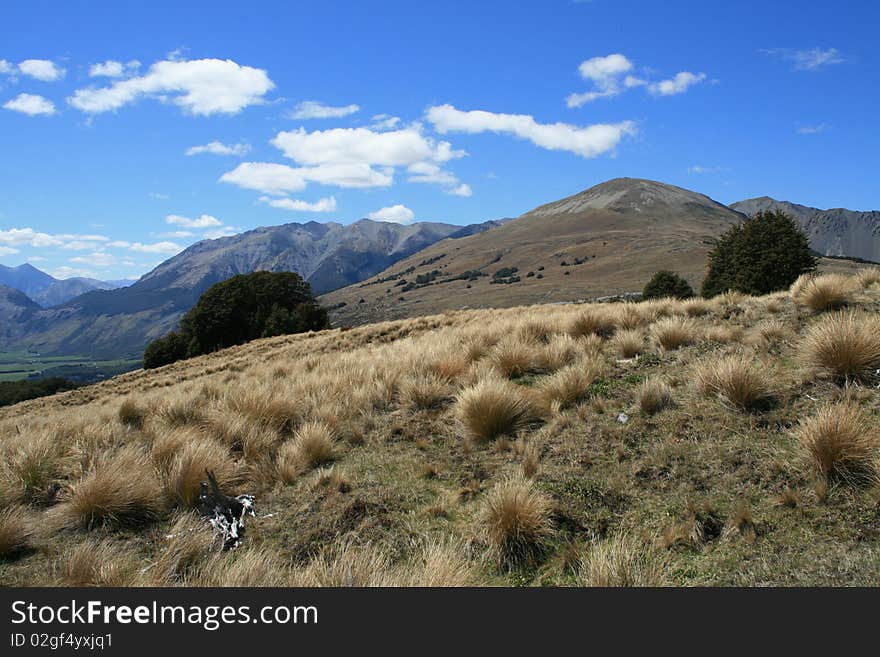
728, 442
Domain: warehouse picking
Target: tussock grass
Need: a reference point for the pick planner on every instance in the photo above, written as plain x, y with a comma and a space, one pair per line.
347, 566
94, 562
132, 414
440, 563
243, 567
592, 322
31, 463
16, 530
312, 445
188, 468
516, 520
628, 343
513, 357
560, 350
844, 345
187, 550
737, 380
842, 443
492, 408
867, 278
653, 396
623, 561
570, 384
675, 332
422, 392
122, 489
821, 293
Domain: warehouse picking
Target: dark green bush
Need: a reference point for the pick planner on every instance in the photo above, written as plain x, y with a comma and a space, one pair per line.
667, 283
12, 392
763, 254
240, 309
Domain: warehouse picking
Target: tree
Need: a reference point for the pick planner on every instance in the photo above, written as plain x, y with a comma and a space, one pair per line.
667, 283
240, 309
761, 255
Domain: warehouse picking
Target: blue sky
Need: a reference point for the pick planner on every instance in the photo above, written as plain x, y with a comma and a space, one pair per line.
444, 111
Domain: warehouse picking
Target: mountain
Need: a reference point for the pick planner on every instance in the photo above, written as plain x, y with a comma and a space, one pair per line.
68, 288
603, 241
15, 307
115, 323
25, 278
836, 232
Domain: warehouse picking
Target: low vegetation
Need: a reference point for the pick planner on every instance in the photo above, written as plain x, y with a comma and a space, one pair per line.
13, 392
728, 441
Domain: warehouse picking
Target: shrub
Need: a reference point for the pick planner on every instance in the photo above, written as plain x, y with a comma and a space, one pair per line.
12, 392
736, 380
666, 283
830, 292
492, 408
765, 253
165, 350
841, 443
623, 561
653, 396
516, 518
843, 345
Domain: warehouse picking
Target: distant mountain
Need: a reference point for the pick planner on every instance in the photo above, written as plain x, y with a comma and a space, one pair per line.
15, 307
606, 240
25, 278
66, 289
835, 232
115, 323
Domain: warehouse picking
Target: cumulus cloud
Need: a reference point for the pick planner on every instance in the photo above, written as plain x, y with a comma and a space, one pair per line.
813, 59
396, 214
169, 248
96, 259
31, 104
7, 68
611, 76
65, 271
461, 190
321, 205
7, 250
280, 179
41, 69
113, 69
30, 237
589, 141
199, 87
385, 122
676, 85
205, 221
428, 172
313, 109
219, 148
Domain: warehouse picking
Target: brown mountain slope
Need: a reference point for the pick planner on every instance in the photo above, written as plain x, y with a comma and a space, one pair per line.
606, 240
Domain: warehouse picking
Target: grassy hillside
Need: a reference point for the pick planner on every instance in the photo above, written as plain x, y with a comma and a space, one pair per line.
724, 442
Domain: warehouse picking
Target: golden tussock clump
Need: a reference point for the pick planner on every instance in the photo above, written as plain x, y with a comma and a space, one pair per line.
188, 469
346, 565
98, 563
122, 488
723, 334
242, 567
423, 392
440, 563
868, 277
628, 343
623, 561
132, 414
531, 459
653, 396
821, 293
513, 357
560, 350
188, 548
675, 332
570, 384
592, 321
736, 380
696, 307
312, 445
491, 408
843, 345
629, 316
30, 464
516, 520
16, 530
842, 443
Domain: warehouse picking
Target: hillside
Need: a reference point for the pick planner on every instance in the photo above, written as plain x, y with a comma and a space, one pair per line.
835, 232
119, 323
649, 443
47, 290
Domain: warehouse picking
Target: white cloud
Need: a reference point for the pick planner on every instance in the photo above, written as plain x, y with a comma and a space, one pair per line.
178, 234
219, 148
30, 237
812, 129
362, 145
41, 69
589, 141
71, 272
312, 109
200, 87
6, 68
97, 259
428, 172
158, 247
813, 59
385, 122
113, 69
605, 70
158, 196
321, 205
697, 168
224, 231
676, 85
461, 190
396, 214
7, 250
205, 221
31, 105
280, 179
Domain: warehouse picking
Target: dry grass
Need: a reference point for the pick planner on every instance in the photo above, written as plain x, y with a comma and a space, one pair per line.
312, 445
516, 521
423, 392
653, 396
843, 345
675, 332
628, 343
737, 380
189, 465
122, 489
247, 567
570, 384
623, 561
98, 563
513, 357
842, 443
492, 408
16, 530
592, 322
132, 414
868, 277
821, 293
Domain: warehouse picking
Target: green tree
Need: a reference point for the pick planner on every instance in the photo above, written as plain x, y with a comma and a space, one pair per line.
240, 309
667, 283
761, 255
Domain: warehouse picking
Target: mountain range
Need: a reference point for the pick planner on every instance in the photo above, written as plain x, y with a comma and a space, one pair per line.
606, 240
